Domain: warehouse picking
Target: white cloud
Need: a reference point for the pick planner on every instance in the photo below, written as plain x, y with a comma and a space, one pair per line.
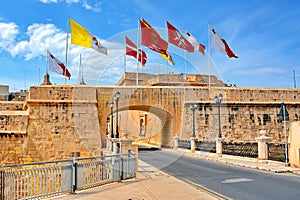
72, 1
93, 5
8, 32
41, 38
49, 1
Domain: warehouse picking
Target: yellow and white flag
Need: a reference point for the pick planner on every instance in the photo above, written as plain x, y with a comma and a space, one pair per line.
168, 58
82, 37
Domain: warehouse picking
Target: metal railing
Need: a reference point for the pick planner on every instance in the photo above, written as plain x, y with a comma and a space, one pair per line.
276, 151
186, 144
248, 149
35, 180
46, 179
207, 146
99, 171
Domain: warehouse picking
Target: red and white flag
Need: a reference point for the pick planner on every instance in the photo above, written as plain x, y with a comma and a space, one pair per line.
177, 39
58, 67
152, 39
199, 47
219, 44
131, 51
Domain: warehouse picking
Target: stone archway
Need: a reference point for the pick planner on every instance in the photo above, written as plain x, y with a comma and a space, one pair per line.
141, 127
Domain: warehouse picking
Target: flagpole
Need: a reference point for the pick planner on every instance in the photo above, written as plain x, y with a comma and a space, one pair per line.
125, 62
209, 54
67, 46
47, 61
81, 69
137, 57
184, 57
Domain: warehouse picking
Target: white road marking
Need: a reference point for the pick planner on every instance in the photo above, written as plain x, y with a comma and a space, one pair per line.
237, 180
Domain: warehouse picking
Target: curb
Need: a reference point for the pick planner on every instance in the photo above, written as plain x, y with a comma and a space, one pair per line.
269, 165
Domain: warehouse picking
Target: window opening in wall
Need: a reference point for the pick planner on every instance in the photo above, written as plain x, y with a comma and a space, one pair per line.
206, 118
266, 118
235, 109
259, 120
231, 118
252, 118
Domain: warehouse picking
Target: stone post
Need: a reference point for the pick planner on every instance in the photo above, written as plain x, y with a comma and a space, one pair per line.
219, 146
176, 138
263, 152
108, 143
115, 148
193, 144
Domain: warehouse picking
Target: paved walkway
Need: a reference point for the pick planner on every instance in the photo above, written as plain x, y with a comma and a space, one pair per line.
152, 183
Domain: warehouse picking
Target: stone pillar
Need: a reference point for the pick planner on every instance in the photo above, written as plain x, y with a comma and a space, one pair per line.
176, 138
219, 146
263, 152
115, 145
107, 143
125, 145
193, 144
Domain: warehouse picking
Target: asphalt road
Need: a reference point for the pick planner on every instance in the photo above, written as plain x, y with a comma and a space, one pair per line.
230, 181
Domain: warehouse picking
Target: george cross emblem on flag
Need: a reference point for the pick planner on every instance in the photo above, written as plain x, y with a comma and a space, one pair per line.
181, 40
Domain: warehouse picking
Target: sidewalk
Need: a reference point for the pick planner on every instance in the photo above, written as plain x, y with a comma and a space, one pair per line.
253, 163
150, 183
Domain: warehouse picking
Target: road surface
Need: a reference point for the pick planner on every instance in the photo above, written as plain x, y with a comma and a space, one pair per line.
230, 181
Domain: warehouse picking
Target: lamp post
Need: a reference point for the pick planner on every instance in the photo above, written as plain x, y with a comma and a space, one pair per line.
193, 108
284, 116
218, 101
117, 97
111, 119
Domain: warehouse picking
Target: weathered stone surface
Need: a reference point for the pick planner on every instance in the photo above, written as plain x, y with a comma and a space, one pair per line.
61, 121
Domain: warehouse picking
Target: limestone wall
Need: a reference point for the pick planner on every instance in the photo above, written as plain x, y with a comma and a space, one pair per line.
294, 144
11, 105
62, 121
244, 112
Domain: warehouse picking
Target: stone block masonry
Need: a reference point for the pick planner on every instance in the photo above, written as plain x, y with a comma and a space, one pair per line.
63, 121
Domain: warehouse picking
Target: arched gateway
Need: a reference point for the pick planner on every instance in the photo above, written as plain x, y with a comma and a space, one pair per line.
147, 114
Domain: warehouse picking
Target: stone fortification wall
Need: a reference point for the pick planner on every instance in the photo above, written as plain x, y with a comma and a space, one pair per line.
244, 111
59, 122
62, 121
12, 105
13, 129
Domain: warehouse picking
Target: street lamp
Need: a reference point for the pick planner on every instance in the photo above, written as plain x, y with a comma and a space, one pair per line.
218, 101
193, 108
117, 97
112, 119
284, 116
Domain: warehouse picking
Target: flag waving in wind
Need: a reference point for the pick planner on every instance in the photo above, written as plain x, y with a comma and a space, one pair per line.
168, 58
58, 67
152, 39
82, 37
219, 44
177, 39
131, 50
195, 43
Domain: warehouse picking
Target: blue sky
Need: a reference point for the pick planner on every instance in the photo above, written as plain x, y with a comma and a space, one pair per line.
264, 34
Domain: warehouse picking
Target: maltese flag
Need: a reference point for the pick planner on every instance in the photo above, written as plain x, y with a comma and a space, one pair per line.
219, 44
177, 39
58, 67
199, 47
